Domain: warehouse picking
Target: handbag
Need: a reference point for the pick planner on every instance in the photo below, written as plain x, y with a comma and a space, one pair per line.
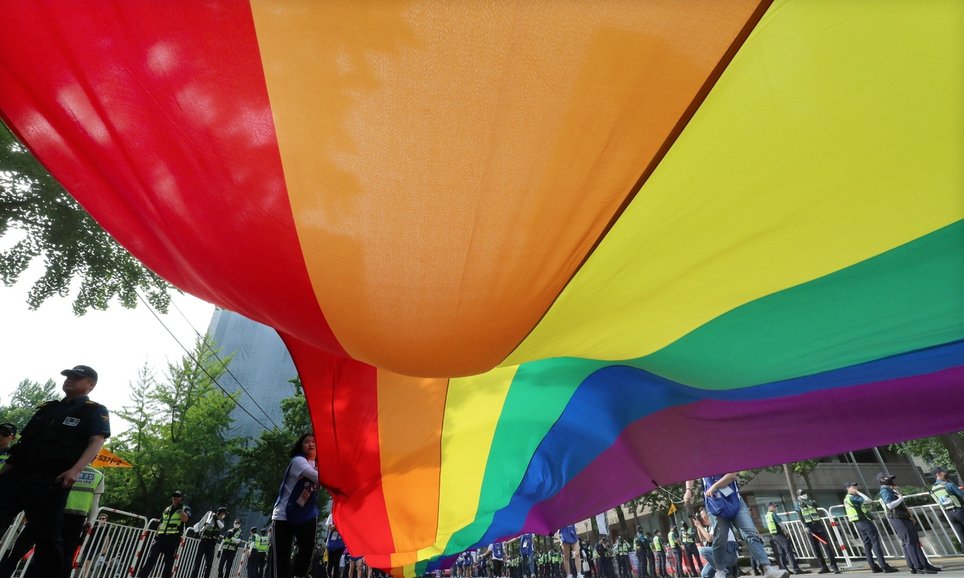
724, 503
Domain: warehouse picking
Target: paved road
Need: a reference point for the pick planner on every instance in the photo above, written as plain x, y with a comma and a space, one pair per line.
950, 568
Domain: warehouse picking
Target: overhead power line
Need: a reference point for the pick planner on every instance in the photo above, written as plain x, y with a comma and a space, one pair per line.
201, 366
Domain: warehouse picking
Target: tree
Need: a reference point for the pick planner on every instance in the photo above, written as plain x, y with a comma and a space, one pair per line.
263, 464
943, 450
51, 225
178, 439
25, 399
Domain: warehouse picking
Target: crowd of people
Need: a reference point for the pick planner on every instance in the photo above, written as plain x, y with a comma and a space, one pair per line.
47, 476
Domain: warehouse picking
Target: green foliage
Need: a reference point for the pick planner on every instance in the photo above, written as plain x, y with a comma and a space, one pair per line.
25, 399
932, 450
178, 439
263, 464
51, 225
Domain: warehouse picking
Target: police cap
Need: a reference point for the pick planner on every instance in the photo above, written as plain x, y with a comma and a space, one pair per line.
8, 428
81, 371
850, 485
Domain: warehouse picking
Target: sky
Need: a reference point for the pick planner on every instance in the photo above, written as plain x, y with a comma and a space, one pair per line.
37, 345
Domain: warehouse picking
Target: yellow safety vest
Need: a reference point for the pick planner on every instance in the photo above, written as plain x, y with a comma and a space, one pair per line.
808, 512
657, 544
946, 499
853, 514
170, 522
81, 497
772, 523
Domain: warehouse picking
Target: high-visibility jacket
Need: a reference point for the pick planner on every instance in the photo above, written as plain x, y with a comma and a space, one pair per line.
81, 497
171, 522
671, 538
946, 499
853, 513
657, 543
773, 523
808, 511
230, 543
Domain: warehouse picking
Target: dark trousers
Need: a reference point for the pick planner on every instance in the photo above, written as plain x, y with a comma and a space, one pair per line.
871, 539
164, 547
227, 559
204, 558
71, 530
783, 552
641, 557
909, 539
692, 555
816, 530
956, 516
283, 536
42, 501
650, 561
677, 560
622, 563
334, 556
256, 565
661, 563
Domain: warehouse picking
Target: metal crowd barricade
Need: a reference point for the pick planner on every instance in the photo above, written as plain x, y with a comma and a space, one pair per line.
6, 542
108, 549
935, 530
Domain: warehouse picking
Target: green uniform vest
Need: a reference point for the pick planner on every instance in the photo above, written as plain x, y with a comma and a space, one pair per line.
808, 511
772, 525
853, 514
171, 522
231, 544
263, 544
671, 538
657, 544
688, 537
556, 557
946, 499
81, 497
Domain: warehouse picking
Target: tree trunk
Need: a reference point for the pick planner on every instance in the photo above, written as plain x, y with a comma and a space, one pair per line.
791, 484
622, 521
954, 443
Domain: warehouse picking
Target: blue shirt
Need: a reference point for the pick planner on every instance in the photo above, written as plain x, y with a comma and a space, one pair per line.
525, 545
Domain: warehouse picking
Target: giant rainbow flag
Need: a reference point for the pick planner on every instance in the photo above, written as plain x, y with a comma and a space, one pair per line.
532, 258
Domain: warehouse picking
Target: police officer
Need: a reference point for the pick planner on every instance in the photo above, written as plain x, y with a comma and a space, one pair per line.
8, 432
657, 545
642, 549
676, 552
81, 500
810, 517
57, 443
690, 551
858, 507
209, 531
782, 548
229, 549
168, 537
949, 496
259, 551
901, 520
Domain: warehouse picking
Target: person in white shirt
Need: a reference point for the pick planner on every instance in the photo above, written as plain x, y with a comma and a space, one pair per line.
295, 513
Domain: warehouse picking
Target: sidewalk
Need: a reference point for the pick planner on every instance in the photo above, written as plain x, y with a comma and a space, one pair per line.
950, 568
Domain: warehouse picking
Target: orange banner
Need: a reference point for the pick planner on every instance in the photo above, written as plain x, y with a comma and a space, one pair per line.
107, 459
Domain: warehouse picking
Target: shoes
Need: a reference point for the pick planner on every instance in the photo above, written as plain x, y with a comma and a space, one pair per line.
824, 570
890, 569
773, 572
720, 574
837, 570
933, 568
927, 571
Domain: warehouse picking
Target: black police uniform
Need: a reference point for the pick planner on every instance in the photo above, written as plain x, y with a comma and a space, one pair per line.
210, 536
50, 444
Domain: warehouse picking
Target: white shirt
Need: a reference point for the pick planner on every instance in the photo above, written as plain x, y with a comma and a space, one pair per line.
300, 467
